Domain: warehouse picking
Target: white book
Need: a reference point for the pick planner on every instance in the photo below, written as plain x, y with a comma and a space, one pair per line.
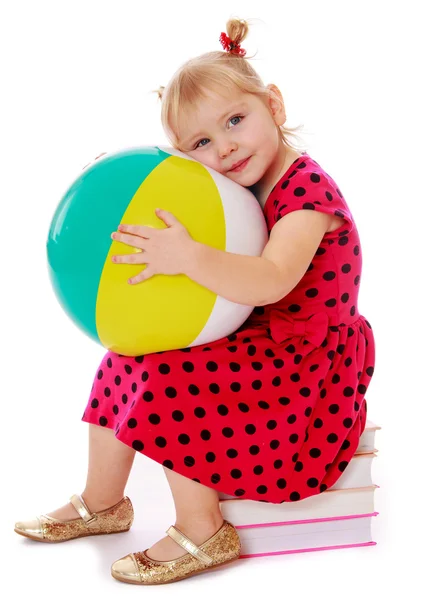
367, 439
357, 473
330, 504
305, 537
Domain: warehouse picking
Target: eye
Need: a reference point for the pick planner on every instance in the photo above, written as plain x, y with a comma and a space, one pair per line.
199, 144
237, 117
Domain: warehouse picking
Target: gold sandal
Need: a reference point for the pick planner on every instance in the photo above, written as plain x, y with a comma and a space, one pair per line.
116, 519
222, 548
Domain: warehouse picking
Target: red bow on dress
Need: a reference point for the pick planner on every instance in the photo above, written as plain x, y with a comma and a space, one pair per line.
283, 327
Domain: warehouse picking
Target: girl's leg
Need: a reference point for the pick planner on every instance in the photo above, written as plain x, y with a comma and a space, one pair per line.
109, 466
198, 515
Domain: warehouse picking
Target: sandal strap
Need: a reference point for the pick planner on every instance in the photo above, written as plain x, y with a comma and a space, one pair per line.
82, 509
188, 545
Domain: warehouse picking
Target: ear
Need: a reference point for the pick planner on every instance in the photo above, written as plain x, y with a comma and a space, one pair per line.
276, 107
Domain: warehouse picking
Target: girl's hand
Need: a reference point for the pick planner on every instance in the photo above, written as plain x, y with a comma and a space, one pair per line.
164, 251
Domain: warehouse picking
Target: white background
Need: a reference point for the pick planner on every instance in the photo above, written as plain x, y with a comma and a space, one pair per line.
76, 81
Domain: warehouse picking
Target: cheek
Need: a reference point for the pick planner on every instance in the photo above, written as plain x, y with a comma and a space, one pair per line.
206, 158
258, 134
269, 138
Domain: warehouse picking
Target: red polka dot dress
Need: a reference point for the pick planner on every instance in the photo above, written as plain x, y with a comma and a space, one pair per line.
273, 412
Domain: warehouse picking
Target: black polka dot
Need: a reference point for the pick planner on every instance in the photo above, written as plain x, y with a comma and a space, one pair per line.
329, 275
227, 432
315, 452
232, 453
212, 366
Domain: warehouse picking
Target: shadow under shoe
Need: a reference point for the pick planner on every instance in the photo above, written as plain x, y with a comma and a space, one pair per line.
115, 519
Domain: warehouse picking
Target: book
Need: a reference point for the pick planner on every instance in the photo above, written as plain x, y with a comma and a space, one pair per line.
367, 439
306, 537
356, 479
340, 517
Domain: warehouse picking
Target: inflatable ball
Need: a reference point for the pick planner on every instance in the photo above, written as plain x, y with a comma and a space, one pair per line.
164, 312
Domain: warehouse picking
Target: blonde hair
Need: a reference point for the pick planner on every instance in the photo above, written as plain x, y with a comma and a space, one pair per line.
213, 71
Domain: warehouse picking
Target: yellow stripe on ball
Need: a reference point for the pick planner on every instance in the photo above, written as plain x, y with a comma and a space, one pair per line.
163, 311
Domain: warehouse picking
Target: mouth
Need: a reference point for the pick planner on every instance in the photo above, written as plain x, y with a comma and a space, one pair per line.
240, 165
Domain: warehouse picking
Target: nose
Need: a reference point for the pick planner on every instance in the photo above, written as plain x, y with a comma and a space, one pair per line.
226, 148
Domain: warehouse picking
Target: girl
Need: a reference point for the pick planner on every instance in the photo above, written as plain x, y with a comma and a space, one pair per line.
271, 413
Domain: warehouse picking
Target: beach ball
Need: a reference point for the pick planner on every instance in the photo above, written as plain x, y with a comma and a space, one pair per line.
165, 312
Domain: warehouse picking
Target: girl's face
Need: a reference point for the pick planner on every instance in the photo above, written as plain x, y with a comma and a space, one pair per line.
223, 131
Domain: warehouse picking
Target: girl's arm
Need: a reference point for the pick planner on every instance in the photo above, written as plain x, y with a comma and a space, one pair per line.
260, 280
249, 280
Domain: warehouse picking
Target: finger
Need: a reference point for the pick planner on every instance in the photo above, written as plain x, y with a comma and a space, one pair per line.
146, 274
167, 217
140, 230
130, 240
137, 258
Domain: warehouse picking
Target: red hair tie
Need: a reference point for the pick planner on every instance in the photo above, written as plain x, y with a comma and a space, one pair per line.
230, 46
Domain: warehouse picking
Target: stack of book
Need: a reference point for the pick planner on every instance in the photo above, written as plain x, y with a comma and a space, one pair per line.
340, 517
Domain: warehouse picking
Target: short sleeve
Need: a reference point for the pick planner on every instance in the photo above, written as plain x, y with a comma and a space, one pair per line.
309, 189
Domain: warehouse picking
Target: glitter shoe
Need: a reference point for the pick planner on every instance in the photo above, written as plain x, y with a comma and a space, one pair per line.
115, 519
222, 548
